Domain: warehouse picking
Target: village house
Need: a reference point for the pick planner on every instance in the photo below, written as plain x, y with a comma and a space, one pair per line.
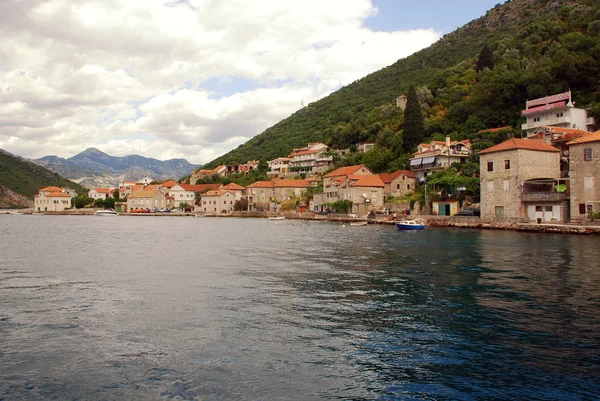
438, 155
220, 171
189, 194
218, 201
52, 199
127, 189
520, 178
261, 195
289, 189
584, 166
556, 111
100, 193
310, 159
399, 183
149, 198
333, 180
365, 146
235, 188
245, 168
278, 167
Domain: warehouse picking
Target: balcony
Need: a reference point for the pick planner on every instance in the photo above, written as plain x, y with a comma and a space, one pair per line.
544, 196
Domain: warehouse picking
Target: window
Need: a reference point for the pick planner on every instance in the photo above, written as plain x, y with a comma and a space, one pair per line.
559, 114
582, 208
589, 208
490, 166
499, 211
539, 208
549, 208
397, 186
587, 154
506, 164
407, 186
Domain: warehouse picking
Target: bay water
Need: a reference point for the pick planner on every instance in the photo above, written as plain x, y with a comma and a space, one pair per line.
159, 308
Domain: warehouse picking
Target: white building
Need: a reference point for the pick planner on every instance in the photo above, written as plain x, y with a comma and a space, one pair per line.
52, 199
557, 110
99, 193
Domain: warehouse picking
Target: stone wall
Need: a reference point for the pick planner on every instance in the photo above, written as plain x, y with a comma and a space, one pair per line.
581, 170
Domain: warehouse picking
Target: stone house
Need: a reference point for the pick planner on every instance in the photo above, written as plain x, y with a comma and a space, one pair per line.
52, 199
99, 193
153, 198
584, 165
187, 193
520, 179
399, 183
218, 201
289, 189
260, 195
333, 180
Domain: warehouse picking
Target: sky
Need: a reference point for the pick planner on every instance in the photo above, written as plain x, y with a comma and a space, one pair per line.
191, 79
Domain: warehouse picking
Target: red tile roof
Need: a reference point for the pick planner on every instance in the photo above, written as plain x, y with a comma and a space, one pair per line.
232, 186
350, 170
102, 190
261, 184
200, 187
389, 177
592, 137
169, 184
51, 189
365, 181
520, 143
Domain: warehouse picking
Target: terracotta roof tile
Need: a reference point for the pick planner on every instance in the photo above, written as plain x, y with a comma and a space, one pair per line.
261, 184
592, 137
232, 186
520, 143
389, 177
102, 190
51, 189
291, 183
349, 170
366, 181
169, 184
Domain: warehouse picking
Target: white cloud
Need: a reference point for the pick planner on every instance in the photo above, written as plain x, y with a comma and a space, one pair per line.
131, 76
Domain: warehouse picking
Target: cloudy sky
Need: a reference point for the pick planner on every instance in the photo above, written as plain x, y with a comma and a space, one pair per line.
191, 78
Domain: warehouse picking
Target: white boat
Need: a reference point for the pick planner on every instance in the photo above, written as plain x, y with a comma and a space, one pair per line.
277, 218
410, 225
106, 212
358, 223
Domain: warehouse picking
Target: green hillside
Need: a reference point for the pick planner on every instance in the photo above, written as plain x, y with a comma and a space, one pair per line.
537, 48
27, 178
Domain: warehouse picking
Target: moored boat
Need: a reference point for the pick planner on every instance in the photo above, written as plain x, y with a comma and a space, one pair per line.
277, 218
358, 223
106, 212
410, 225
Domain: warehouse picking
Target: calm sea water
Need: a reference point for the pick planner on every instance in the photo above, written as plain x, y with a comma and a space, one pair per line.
158, 308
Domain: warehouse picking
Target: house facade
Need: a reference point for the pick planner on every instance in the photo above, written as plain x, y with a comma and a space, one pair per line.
289, 189
556, 111
520, 178
218, 201
584, 166
260, 195
310, 159
438, 155
220, 171
333, 181
278, 168
399, 183
147, 199
99, 193
52, 199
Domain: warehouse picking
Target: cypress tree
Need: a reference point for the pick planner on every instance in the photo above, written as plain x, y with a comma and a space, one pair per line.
414, 129
485, 59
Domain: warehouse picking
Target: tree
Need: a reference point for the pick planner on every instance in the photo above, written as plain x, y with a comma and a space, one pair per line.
186, 207
485, 59
414, 129
241, 205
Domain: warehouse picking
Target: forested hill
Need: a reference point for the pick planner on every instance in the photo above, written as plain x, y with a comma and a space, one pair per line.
26, 178
537, 47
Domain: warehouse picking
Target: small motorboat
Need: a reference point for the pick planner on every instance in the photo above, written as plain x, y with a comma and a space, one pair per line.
106, 212
277, 218
358, 223
410, 225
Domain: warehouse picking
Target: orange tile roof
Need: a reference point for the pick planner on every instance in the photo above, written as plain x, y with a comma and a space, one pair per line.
169, 184
520, 143
102, 190
349, 170
366, 181
51, 189
218, 192
261, 184
389, 177
592, 137
291, 183
199, 187
232, 186
306, 152
58, 195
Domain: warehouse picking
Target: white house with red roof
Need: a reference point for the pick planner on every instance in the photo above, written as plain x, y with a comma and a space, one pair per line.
310, 159
99, 193
438, 155
52, 199
556, 111
278, 167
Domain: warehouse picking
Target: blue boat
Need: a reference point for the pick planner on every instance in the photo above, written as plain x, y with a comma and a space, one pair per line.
410, 225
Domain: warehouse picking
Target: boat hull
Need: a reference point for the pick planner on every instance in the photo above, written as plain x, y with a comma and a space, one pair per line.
106, 213
405, 227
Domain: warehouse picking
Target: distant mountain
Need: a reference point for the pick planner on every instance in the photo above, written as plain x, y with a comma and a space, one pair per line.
94, 168
25, 178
